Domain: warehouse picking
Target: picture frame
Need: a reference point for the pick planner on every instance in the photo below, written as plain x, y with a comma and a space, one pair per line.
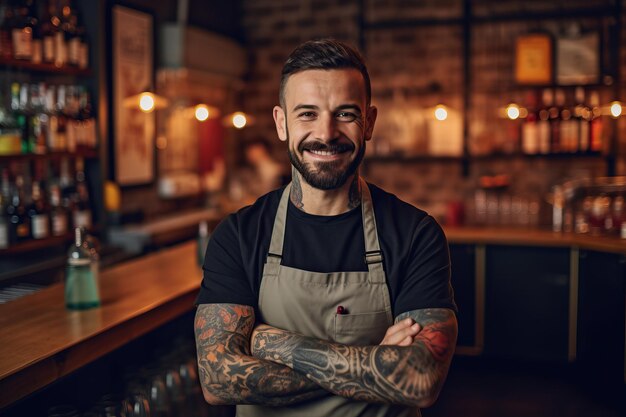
534, 59
133, 73
578, 59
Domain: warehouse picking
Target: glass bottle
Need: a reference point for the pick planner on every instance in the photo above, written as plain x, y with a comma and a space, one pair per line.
203, 241
4, 225
23, 33
19, 221
38, 213
59, 217
6, 31
81, 287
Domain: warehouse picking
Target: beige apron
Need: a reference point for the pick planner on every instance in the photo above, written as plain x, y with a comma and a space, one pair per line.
309, 303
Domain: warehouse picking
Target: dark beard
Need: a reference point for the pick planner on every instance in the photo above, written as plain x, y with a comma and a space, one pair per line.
328, 175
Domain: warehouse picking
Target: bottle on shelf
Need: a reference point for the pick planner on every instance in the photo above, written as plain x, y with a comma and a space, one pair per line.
4, 225
569, 126
543, 124
555, 121
530, 129
10, 133
37, 39
81, 286
203, 241
6, 31
38, 213
19, 227
22, 32
81, 209
59, 216
596, 128
582, 117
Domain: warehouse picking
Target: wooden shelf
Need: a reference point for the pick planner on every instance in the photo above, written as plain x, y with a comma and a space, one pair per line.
474, 158
411, 159
43, 68
503, 156
84, 153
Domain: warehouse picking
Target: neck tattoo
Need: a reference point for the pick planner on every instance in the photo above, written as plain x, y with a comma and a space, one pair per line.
296, 190
355, 194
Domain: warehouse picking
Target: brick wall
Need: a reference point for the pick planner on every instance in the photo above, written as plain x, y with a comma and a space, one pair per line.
413, 68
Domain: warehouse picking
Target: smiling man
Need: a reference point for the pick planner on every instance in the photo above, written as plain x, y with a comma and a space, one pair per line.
330, 296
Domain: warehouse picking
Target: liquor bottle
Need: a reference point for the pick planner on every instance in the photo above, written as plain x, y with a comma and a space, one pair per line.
582, 116
38, 213
81, 287
6, 31
22, 33
555, 121
83, 51
73, 40
19, 227
596, 128
203, 241
53, 39
60, 47
530, 130
59, 216
37, 39
569, 127
4, 224
61, 119
81, 213
69, 33
543, 124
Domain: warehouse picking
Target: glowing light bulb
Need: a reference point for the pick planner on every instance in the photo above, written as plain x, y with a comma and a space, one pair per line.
512, 111
616, 109
202, 112
146, 102
239, 120
440, 112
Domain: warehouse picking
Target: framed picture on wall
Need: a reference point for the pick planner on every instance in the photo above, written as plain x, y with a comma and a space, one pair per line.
578, 59
133, 73
533, 59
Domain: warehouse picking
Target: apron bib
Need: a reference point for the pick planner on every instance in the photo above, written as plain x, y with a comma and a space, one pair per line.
307, 303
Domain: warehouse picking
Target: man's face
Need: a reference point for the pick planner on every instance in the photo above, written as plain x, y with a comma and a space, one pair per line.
326, 123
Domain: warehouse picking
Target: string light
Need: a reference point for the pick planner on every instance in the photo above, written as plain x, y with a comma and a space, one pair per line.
616, 109
202, 112
239, 120
146, 102
441, 113
512, 111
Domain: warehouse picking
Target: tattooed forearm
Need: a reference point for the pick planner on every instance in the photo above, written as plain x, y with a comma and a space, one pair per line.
355, 193
296, 189
229, 375
410, 375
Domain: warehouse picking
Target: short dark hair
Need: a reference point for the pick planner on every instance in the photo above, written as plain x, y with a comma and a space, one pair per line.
324, 54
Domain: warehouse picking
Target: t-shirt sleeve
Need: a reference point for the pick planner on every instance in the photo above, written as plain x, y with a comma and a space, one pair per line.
224, 278
427, 280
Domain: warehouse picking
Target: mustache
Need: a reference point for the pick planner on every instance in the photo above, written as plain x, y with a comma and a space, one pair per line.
314, 145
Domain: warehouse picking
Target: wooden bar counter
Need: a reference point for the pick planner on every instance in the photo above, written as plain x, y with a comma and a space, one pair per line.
41, 341
534, 237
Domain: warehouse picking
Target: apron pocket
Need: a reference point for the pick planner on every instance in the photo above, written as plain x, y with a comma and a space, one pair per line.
361, 329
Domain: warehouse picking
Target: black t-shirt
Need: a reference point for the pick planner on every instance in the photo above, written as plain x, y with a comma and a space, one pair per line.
415, 250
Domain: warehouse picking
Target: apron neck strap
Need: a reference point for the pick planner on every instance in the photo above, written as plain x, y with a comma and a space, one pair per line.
373, 254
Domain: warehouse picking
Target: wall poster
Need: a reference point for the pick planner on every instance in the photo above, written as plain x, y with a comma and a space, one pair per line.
133, 72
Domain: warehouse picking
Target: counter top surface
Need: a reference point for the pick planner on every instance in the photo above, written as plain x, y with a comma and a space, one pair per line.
533, 237
43, 341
